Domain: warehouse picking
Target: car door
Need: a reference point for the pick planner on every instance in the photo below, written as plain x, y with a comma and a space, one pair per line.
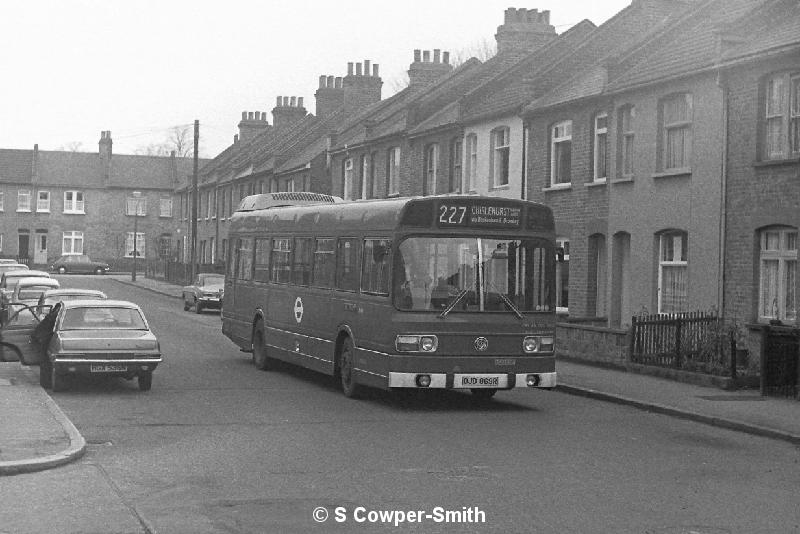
17, 339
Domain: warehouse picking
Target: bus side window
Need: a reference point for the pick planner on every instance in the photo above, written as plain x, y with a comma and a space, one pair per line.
347, 264
245, 259
281, 259
324, 262
261, 260
301, 269
234, 260
375, 272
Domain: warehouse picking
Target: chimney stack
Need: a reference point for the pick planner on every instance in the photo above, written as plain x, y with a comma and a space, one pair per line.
329, 96
424, 71
524, 29
105, 152
287, 111
252, 124
362, 88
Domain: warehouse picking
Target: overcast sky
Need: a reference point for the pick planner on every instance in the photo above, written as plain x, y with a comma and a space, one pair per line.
73, 68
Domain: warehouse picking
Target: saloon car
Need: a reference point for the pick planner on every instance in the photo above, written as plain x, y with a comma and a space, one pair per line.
52, 296
79, 263
9, 280
26, 292
206, 292
5, 267
94, 337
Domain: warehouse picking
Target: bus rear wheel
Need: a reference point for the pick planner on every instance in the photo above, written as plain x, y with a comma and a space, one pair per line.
261, 358
347, 363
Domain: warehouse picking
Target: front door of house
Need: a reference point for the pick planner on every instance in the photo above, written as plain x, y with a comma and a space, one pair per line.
24, 243
40, 251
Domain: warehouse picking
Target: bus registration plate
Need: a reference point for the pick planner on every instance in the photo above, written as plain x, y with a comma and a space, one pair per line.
480, 381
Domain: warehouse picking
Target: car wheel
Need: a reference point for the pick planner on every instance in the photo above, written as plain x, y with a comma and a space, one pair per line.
186, 304
145, 380
198, 308
45, 378
482, 394
62, 270
261, 358
347, 362
99, 270
56, 380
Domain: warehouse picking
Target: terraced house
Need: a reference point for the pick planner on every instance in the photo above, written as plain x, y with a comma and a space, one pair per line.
60, 202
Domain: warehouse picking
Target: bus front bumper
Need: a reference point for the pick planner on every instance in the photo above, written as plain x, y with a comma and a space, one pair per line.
472, 380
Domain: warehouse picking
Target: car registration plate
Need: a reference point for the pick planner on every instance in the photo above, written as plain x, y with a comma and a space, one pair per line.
480, 381
108, 368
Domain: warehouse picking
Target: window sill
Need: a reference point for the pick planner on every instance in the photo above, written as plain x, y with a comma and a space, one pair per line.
504, 187
673, 173
625, 180
598, 183
393, 195
777, 162
23, 211
42, 211
74, 213
557, 187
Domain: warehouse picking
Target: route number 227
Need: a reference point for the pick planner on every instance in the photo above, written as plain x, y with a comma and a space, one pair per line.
452, 214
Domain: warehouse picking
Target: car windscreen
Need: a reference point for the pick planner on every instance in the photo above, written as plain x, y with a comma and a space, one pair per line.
32, 292
212, 281
102, 318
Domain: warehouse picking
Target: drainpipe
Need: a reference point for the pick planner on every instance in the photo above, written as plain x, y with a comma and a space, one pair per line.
525, 133
722, 83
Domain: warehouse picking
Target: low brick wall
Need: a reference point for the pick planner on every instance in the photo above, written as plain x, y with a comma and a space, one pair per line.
593, 344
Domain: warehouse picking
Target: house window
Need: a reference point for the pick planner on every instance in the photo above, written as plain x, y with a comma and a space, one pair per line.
676, 116
23, 200
290, 185
499, 156
73, 202
561, 153
372, 175
364, 169
456, 155
600, 147
673, 268
431, 169
627, 115
781, 124
273, 185
136, 206
43, 201
562, 275
129, 245
165, 247
347, 183
393, 171
471, 163
777, 297
165, 207
72, 243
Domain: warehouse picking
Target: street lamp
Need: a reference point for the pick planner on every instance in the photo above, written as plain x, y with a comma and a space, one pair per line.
137, 197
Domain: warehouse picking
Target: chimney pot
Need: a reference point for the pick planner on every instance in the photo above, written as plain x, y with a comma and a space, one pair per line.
285, 100
358, 69
426, 56
417, 55
278, 101
300, 102
446, 57
436, 53
366, 67
322, 80
350, 68
244, 115
250, 115
375, 70
330, 81
293, 101
338, 82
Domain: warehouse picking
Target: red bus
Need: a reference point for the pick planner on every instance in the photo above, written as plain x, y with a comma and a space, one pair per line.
431, 292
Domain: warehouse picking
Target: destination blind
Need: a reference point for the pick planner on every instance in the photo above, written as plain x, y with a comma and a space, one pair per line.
474, 214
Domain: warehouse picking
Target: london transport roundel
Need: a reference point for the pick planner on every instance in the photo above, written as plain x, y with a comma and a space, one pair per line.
298, 310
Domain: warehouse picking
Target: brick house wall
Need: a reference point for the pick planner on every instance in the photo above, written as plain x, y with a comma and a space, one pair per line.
759, 193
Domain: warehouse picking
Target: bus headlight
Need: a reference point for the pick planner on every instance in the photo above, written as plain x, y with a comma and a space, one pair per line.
426, 343
538, 344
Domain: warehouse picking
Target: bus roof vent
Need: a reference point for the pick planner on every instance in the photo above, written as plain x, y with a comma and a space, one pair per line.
286, 198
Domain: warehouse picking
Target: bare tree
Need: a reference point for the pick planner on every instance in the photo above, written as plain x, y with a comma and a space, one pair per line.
180, 139
72, 146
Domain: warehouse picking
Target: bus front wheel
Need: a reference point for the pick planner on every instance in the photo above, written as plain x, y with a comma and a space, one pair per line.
347, 362
260, 357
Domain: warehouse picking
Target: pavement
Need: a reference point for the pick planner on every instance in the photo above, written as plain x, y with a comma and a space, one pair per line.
35, 434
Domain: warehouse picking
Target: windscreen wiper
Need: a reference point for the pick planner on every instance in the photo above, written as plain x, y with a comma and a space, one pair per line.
508, 302
454, 303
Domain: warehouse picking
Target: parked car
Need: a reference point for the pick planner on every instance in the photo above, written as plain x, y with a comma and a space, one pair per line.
7, 261
79, 263
52, 296
26, 293
206, 292
5, 267
9, 280
93, 337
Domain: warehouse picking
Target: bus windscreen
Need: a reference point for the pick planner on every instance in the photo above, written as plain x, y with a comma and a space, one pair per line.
472, 274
